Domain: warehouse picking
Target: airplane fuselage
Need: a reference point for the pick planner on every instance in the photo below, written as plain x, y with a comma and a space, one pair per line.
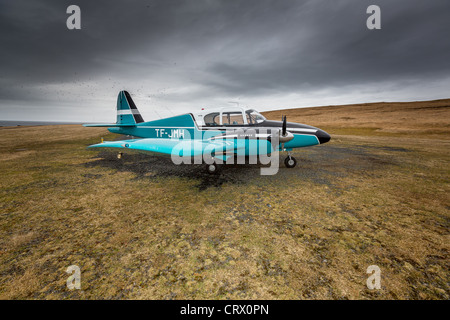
187, 128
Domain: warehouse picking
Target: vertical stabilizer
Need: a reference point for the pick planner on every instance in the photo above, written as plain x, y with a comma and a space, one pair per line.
127, 112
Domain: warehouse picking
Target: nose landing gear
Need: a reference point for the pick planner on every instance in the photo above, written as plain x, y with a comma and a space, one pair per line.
290, 161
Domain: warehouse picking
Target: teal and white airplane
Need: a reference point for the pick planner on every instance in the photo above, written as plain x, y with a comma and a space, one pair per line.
213, 136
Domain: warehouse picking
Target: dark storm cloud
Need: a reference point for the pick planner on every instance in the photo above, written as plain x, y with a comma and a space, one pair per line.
339, 50
210, 48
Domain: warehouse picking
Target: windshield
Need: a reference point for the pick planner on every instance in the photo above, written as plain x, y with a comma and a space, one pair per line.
254, 117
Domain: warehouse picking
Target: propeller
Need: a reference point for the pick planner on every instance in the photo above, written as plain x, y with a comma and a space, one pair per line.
285, 136
283, 132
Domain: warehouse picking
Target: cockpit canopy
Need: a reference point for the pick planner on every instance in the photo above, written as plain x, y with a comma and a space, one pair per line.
229, 117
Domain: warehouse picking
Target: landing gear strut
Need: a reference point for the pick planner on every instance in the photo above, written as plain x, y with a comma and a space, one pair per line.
290, 161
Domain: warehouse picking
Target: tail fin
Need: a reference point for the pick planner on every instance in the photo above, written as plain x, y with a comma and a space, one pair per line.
127, 112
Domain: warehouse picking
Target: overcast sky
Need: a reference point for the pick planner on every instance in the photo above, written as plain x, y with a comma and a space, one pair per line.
179, 56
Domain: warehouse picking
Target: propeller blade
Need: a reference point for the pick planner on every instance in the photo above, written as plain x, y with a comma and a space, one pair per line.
283, 132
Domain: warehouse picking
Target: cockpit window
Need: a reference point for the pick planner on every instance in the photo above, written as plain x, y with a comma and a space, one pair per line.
212, 119
232, 118
254, 117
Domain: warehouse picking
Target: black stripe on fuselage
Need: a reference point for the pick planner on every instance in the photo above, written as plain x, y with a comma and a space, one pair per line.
267, 124
295, 128
256, 129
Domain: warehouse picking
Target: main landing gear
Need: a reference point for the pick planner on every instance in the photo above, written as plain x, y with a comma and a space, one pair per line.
290, 161
212, 168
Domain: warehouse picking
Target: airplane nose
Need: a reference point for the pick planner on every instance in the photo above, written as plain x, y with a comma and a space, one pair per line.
322, 136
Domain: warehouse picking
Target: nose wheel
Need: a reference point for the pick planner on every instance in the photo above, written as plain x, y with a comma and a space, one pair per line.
290, 162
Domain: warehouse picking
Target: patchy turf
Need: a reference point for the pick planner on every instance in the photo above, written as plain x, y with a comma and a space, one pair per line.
141, 227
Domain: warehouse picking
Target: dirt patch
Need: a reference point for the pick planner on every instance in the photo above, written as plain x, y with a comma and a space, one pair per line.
316, 164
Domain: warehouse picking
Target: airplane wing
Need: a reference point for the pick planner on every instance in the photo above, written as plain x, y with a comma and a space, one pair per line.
108, 125
182, 148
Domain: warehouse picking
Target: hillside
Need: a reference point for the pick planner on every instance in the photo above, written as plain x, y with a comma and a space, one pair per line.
422, 118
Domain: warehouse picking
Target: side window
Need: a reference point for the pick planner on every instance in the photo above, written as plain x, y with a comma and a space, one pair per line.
225, 120
236, 119
211, 119
232, 118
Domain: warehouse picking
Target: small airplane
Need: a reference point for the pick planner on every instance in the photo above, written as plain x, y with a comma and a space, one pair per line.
222, 134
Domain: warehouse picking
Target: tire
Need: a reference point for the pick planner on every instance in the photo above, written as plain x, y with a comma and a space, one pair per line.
212, 168
290, 162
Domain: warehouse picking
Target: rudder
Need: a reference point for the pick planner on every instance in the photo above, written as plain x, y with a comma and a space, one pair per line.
127, 112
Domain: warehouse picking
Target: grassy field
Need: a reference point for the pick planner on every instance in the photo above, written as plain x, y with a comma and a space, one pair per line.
143, 228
